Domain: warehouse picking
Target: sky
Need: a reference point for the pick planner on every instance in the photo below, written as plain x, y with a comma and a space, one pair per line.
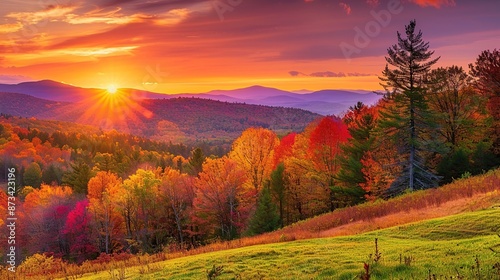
189, 46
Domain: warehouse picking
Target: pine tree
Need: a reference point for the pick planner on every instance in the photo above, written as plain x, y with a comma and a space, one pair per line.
278, 189
266, 217
79, 177
33, 175
361, 122
196, 161
408, 120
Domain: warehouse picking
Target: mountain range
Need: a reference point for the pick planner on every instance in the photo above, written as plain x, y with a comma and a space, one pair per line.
324, 102
178, 120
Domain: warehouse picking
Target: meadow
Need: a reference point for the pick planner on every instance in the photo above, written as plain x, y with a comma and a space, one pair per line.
463, 246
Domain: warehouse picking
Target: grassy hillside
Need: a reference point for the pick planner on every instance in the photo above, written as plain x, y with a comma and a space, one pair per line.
442, 230
412, 242
464, 245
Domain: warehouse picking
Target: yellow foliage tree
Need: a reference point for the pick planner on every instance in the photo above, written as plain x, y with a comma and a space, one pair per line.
253, 151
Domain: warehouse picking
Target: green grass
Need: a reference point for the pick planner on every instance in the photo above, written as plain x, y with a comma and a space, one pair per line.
445, 247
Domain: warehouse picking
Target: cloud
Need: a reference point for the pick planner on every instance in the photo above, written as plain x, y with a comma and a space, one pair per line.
107, 17
356, 74
10, 27
328, 74
14, 79
296, 73
434, 3
101, 51
346, 8
49, 14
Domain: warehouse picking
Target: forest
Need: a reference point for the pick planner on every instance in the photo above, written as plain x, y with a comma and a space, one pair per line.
84, 192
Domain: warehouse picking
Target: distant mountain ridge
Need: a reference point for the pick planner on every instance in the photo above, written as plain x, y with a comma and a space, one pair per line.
174, 119
324, 102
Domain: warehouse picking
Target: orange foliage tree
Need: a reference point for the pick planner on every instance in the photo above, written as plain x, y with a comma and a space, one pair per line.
103, 189
221, 202
177, 193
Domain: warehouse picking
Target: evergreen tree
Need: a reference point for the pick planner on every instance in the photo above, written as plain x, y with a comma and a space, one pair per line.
32, 176
266, 217
52, 175
196, 161
407, 121
278, 189
79, 177
361, 122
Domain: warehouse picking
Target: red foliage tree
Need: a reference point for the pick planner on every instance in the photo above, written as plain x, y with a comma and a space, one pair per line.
284, 149
78, 233
325, 145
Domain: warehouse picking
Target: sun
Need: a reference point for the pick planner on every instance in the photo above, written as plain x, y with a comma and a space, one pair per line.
111, 89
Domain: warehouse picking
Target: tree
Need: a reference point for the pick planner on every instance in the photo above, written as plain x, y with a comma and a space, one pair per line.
407, 119
284, 149
486, 71
324, 149
253, 151
220, 204
79, 176
278, 189
196, 161
52, 175
33, 175
103, 189
45, 211
78, 232
459, 108
142, 189
177, 191
105, 162
266, 217
307, 191
361, 122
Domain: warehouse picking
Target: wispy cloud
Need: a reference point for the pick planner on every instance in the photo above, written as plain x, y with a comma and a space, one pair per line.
49, 14
101, 51
100, 16
328, 74
434, 3
14, 79
10, 27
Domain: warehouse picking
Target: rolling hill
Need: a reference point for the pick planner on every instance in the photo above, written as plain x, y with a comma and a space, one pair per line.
174, 119
324, 102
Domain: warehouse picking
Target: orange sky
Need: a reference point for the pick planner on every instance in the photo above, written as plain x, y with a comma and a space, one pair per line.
200, 45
